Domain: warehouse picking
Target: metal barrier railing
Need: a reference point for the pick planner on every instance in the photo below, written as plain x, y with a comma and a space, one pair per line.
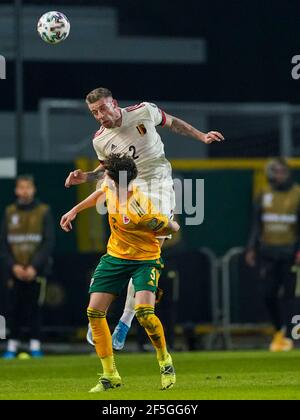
215, 293
226, 290
226, 293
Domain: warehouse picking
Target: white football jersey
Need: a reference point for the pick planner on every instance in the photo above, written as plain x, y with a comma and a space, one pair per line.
137, 137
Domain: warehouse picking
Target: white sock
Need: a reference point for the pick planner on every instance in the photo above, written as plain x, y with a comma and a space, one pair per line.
129, 313
35, 345
12, 345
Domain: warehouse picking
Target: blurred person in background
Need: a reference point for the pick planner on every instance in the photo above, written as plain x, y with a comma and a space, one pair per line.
26, 244
274, 247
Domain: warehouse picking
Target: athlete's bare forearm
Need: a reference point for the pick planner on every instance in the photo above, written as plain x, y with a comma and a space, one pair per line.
181, 127
95, 175
89, 202
78, 177
185, 129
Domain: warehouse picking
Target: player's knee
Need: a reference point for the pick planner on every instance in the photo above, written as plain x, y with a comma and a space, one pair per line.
97, 326
95, 314
147, 319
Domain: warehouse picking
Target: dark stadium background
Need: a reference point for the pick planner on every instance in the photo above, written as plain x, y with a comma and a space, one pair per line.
250, 45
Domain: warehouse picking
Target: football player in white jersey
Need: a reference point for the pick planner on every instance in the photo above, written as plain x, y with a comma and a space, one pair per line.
132, 130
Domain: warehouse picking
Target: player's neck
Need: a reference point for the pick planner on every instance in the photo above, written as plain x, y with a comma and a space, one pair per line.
118, 122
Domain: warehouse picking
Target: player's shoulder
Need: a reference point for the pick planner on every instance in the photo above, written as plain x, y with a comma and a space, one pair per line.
135, 107
106, 185
99, 132
142, 109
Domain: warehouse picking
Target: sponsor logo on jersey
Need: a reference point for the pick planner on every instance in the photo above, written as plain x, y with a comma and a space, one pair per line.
141, 129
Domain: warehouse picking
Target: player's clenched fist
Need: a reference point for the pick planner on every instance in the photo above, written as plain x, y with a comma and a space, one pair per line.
65, 222
76, 177
212, 136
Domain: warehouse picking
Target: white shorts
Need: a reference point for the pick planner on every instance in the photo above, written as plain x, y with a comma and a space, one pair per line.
162, 195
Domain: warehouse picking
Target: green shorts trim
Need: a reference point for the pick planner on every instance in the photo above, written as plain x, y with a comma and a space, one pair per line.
113, 274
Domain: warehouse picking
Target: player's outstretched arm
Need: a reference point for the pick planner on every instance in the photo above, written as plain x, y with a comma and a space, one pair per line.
79, 177
181, 127
90, 201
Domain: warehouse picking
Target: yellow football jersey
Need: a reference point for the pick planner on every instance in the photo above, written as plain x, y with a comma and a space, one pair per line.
134, 225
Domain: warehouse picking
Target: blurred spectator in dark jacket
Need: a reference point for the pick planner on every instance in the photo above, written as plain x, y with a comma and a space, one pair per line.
26, 244
274, 246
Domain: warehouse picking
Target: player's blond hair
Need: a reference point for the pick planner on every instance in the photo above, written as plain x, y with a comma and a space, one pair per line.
97, 94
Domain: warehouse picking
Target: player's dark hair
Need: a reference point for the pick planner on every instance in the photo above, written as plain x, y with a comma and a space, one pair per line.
25, 177
97, 94
117, 162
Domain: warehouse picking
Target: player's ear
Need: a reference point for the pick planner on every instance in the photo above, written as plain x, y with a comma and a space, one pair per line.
115, 103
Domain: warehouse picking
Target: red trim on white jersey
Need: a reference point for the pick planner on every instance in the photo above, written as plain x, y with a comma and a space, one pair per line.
100, 131
163, 119
134, 107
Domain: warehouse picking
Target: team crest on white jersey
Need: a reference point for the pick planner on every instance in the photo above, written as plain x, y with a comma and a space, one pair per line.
267, 200
141, 129
126, 219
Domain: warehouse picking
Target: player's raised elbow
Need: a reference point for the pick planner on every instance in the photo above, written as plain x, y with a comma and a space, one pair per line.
173, 226
169, 120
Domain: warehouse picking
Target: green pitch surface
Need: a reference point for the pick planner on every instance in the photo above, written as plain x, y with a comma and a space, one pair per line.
202, 375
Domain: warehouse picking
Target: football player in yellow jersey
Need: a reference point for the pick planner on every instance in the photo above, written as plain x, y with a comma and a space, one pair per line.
133, 251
